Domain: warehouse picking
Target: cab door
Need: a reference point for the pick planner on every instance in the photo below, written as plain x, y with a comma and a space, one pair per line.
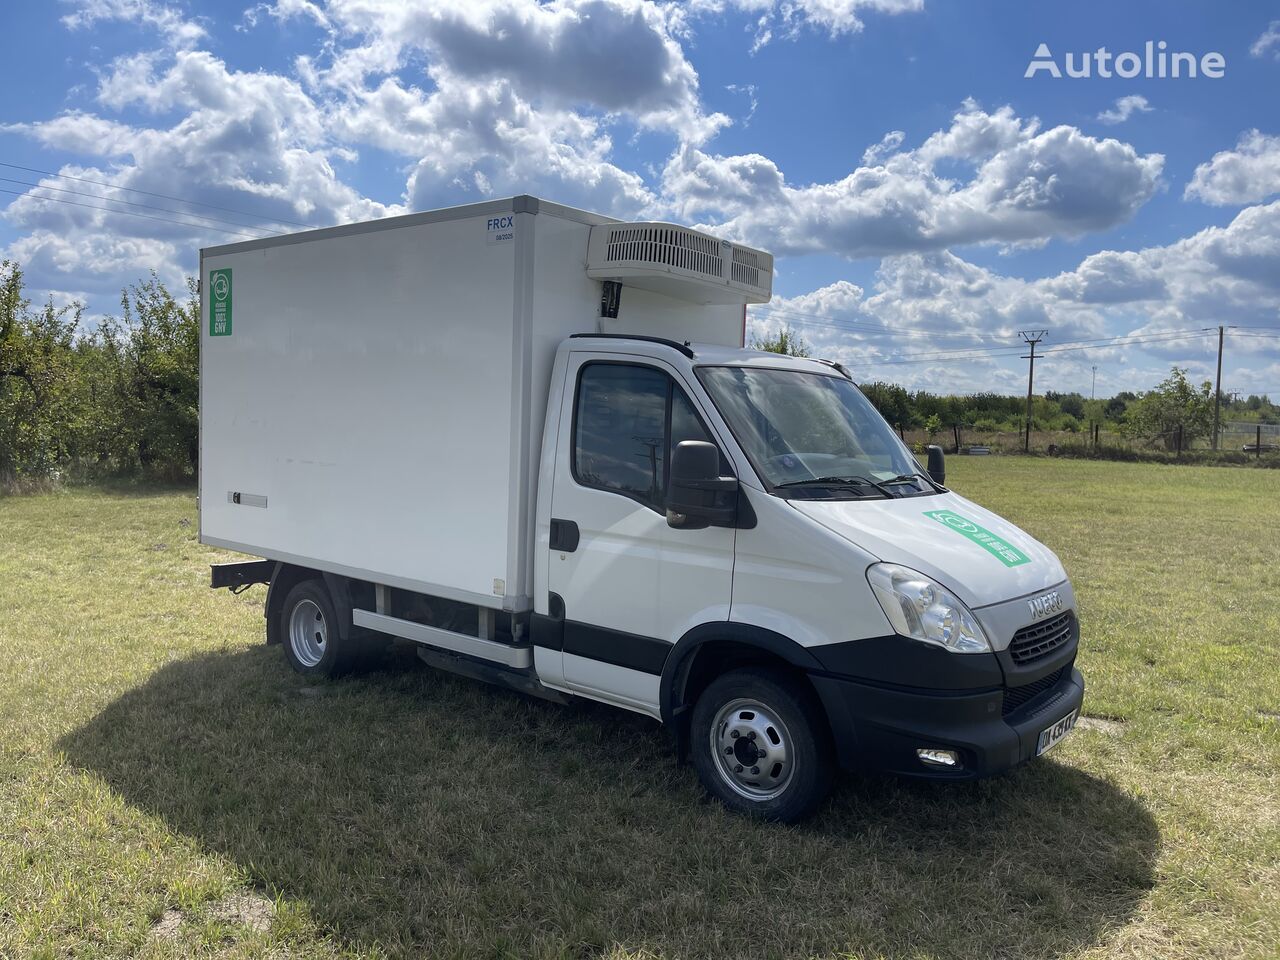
631, 585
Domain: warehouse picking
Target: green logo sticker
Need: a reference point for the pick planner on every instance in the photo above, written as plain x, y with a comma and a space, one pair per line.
220, 303
1008, 555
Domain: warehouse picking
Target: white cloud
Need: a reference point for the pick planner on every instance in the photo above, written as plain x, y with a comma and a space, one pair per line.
80, 132
1024, 186
888, 145
515, 96
1124, 108
787, 17
936, 309
477, 98
613, 56
284, 10
1269, 39
1249, 173
177, 30
520, 96
246, 141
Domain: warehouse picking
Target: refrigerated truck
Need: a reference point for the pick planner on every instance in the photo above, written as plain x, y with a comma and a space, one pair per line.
528, 438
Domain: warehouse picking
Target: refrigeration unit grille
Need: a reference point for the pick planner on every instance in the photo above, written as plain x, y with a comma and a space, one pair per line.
666, 245
679, 262
746, 266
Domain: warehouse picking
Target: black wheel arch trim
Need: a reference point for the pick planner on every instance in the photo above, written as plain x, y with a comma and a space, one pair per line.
675, 669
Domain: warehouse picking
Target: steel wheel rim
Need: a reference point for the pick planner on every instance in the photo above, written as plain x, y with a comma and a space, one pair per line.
308, 632
753, 749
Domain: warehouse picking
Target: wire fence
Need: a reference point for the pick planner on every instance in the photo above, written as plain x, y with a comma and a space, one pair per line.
1238, 443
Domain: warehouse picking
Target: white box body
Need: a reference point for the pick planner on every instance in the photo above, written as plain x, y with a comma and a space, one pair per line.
377, 407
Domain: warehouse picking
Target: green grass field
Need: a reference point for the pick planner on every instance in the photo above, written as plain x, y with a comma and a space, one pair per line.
169, 788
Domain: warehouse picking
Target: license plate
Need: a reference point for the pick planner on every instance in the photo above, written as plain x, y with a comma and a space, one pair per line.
1055, 733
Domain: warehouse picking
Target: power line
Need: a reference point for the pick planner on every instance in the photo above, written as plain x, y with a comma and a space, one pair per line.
131, 203
1161, 338
161, 196
977, 350
130, 213
869, 333
842, 324
975, 353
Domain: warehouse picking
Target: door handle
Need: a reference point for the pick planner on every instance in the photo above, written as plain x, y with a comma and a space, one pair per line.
564, 535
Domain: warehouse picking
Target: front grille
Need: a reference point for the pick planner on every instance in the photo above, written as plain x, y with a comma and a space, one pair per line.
1041, 639
1017, 697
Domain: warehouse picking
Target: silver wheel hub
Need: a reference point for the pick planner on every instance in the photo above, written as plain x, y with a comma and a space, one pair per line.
308, 632
752, 749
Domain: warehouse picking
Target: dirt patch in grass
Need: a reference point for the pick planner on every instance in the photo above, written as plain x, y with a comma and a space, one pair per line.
247, 909
166, 929
1112, 728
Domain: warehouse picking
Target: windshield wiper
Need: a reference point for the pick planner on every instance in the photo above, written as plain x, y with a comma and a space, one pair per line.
909, 477
837, 482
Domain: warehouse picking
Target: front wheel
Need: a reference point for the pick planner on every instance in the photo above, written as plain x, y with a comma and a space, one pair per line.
761, 746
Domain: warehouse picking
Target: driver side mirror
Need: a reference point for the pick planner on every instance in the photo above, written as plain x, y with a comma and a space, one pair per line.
698, 495
937, 468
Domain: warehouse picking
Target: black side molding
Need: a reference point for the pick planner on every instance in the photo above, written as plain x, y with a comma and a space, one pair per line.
240, 574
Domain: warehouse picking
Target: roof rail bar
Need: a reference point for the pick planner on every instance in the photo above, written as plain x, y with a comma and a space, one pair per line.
836, 365
684, 347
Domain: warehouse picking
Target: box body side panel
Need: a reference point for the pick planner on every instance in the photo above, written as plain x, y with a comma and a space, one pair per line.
364, 390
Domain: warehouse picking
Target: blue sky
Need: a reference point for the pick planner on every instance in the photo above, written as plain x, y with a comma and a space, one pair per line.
926, 200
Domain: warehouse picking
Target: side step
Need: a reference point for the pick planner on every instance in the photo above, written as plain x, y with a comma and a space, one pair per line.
516, 658
473, 670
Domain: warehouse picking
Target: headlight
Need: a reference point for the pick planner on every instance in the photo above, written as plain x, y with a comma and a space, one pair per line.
922, 608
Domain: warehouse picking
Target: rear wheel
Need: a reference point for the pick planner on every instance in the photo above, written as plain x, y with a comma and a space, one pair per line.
309, 629
761, 746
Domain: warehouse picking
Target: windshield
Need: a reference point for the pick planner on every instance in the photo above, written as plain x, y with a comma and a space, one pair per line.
806, 431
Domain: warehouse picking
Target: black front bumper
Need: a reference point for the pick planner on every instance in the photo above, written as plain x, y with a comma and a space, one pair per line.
879, 724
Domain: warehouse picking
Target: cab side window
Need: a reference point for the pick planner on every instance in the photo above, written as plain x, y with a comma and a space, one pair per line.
627, 420
620, 436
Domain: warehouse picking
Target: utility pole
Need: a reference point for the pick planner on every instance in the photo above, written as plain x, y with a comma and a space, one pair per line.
1093, 388
1217, 383
1032, 337
1217, 391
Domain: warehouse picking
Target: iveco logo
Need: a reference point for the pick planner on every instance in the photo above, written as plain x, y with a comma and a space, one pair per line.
1045, 604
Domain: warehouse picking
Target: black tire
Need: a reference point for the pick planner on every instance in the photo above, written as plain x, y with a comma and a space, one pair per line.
329, 655
797, 768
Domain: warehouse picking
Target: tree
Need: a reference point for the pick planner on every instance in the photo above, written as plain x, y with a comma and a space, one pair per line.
786, 341
1116, 408
156, 388
1175, 403
38, 381
893, 402
933, 426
